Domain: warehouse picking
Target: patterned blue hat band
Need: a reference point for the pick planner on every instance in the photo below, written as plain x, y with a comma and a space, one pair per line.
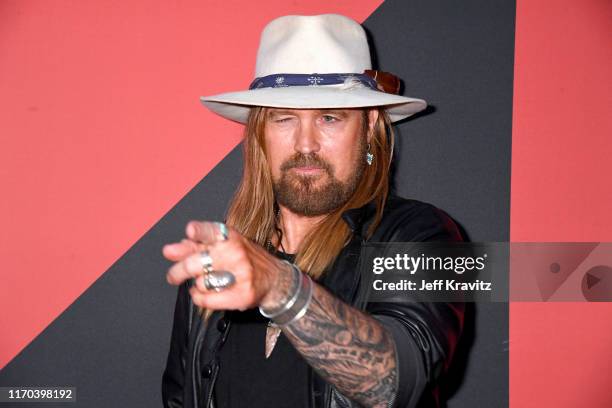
285, 80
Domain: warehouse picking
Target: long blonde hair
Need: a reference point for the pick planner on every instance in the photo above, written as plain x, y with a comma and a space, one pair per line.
252, 209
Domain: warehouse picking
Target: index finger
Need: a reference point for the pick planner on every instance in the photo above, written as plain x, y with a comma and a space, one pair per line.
179, 250
206, 232
190, 267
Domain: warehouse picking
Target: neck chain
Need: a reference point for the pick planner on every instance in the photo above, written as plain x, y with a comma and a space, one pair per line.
272, 330
278, 231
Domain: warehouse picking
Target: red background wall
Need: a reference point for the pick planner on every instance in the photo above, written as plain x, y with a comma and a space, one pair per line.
96, 97
560, 353
87, 110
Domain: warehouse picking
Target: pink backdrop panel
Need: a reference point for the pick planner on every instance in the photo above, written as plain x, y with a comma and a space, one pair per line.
560, 354
103, 132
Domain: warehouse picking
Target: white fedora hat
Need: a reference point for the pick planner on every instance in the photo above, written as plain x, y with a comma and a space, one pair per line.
306, 62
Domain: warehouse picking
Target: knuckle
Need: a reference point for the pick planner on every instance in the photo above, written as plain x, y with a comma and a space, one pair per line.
203, 302
172, 272
198, 301
231, 245
199, 283
249, 288
193, 225
197, 297
240, 255
249, 298
250, 275
190, 245
187, 266
244, 277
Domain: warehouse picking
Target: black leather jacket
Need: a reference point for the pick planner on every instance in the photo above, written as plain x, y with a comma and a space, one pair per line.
425, 334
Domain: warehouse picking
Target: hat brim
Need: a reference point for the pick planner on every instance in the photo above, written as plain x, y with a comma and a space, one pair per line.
236, 105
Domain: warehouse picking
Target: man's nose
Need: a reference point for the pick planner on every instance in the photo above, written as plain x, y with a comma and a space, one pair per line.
306, 138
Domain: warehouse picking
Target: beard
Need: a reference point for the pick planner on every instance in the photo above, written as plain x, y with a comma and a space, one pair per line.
314, 195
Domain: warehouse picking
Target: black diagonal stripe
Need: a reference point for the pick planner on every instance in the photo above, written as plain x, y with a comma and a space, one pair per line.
459, 57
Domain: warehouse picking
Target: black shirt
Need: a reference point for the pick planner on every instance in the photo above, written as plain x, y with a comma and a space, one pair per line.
247, 379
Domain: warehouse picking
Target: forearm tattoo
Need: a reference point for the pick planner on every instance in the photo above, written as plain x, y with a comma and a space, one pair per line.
348, 348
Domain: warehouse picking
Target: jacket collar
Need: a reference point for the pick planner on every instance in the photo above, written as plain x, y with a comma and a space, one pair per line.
342, 279
358, 219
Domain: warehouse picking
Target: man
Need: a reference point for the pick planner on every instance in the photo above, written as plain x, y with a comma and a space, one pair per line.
270, 311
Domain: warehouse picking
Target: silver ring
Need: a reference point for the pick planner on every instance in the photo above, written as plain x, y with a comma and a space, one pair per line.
223, 230
219, 280
206, 262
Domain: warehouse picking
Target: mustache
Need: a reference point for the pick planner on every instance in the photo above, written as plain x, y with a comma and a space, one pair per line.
306, 160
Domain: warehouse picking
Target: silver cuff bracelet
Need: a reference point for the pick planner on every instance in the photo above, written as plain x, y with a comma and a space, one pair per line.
301, 304
297, 305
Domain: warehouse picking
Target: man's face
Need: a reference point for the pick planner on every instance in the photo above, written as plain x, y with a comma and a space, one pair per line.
317, 157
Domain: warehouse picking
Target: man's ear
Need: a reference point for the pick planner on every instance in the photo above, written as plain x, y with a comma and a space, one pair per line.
372, 118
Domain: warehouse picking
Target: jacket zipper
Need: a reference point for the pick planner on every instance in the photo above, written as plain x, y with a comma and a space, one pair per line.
215, 373
212, 386
328, 396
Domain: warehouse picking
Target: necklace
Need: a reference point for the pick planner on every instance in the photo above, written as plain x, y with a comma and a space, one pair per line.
272, 329
272, 334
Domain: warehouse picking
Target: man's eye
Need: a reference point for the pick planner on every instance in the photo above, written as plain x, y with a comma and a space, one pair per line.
282, 120
329, 118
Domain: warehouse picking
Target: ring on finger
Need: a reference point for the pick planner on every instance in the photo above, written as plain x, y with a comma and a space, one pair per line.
219, 280
223, 230
206, 262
